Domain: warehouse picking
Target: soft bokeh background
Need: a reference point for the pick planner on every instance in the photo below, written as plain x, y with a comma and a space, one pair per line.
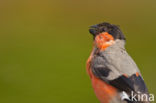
44, 46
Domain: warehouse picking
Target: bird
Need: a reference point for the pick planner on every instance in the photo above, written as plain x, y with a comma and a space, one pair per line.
113, 73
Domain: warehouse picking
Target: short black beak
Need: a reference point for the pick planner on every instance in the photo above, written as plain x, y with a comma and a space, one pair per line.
93, 29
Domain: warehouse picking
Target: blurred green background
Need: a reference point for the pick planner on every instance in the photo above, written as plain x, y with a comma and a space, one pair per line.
44, 46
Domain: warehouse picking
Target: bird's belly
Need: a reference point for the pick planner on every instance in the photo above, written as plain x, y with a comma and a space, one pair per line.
104, 92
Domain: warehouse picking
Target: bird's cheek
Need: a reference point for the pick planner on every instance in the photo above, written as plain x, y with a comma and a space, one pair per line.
102, 46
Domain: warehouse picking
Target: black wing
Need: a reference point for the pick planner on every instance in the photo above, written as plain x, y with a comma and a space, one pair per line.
133, 83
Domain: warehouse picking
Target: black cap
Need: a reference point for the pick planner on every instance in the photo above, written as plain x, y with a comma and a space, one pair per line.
107, 27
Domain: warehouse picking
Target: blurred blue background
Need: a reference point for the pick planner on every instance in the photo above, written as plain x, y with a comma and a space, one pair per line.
44, 46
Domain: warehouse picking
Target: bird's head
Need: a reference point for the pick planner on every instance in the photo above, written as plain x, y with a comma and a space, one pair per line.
105, 35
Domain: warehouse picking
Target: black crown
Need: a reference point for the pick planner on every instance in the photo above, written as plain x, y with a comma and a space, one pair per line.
107, 27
